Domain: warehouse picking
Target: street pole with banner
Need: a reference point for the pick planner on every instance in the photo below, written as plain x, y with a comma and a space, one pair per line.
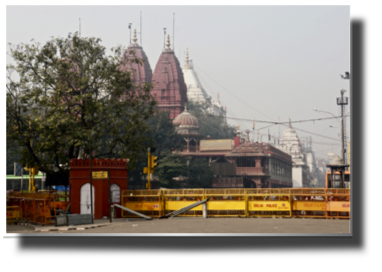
91, 186
108, 181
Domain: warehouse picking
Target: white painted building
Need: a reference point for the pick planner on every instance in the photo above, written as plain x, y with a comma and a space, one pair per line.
290, 144
195, 90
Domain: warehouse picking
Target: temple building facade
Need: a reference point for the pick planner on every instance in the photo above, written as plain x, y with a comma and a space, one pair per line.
290, 144
169, 87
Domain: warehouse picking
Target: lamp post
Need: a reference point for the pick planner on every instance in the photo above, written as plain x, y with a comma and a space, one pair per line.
342, 101
130, 33
91, 179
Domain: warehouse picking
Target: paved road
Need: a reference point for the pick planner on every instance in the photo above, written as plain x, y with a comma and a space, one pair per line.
213, 225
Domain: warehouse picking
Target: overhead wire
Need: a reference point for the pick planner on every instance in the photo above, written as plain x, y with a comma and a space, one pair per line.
215, 94
233, 94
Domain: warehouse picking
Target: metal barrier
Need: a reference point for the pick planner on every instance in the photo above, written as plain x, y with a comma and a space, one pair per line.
147, 202
177, 199
338, 203
226, 202
14, 214
36, 207
269, 203
309, 203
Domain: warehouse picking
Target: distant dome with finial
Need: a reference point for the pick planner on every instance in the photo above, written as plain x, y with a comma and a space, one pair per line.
186, 120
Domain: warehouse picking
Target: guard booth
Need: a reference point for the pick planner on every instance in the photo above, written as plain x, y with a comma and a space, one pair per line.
337, 166
79, 181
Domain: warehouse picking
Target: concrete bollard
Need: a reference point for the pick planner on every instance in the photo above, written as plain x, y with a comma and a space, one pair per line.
204, 210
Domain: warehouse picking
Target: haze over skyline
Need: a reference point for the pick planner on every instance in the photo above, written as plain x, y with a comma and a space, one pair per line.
266, 62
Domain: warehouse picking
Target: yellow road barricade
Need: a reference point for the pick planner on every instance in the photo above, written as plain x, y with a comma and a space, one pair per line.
14, 214
179, 198
226, 202
269, 203
35, 207
147, 202
309, 203
338, 203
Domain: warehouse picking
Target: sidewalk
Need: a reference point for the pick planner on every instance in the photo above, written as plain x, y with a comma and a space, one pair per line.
97, 223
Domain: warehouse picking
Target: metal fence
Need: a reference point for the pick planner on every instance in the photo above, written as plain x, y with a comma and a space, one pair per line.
269, 202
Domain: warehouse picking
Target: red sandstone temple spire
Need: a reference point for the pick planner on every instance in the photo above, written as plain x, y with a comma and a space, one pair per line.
169, 87
141, 74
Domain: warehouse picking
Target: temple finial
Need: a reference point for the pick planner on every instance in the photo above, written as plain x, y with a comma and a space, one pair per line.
135, 37
168, 42
290, 123
187, 64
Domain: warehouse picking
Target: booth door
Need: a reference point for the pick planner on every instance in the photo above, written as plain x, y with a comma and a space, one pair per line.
85, 199
115, 193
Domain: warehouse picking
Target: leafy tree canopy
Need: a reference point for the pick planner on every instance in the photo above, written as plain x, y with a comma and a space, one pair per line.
200, 174
68, 99
162, 136
171, 167
214, 126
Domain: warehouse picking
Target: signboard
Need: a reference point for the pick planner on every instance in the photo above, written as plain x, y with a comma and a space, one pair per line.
268, 206
143, 206
99, 175
60, 188
215, 145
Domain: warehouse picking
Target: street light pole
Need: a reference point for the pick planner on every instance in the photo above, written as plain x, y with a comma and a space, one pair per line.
342, 101
91, 184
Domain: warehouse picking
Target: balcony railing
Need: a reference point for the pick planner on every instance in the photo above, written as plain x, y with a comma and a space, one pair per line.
251, 170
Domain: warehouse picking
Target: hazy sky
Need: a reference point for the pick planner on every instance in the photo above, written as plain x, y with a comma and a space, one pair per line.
267, 62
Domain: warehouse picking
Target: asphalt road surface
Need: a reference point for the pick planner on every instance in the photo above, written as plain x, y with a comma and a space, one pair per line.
212, 225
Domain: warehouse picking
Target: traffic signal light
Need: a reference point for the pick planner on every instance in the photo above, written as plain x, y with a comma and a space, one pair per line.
153, 163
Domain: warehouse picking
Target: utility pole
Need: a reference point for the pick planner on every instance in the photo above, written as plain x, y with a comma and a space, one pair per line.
343, 122
91, 183
342, 101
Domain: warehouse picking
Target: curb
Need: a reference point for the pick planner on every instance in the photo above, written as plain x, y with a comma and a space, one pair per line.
69, 228
60, 228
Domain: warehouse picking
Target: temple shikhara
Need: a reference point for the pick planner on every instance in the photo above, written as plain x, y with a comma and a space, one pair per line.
169, 87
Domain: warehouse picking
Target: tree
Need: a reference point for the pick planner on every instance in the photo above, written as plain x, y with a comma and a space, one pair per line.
214, 126
170, 167
162, 136
68, 101
200, 174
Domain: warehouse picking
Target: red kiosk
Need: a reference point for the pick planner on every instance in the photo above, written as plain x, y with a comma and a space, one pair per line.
79, 181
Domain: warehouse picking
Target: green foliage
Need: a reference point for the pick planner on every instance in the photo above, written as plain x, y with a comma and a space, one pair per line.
214, 126
170, 167
162, 136
71, 97
200, 174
